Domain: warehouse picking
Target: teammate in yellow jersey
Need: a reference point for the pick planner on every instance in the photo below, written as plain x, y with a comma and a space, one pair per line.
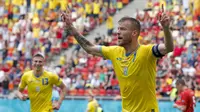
134, 64
92, 104
40, 83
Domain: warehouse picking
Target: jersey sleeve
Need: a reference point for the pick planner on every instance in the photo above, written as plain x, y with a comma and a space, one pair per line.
56, 80
108, 52
23, 83
150, 52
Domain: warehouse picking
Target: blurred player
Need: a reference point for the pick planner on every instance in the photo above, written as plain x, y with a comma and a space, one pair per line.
92, 104
40, 84
99, 108
186, 100
134, 64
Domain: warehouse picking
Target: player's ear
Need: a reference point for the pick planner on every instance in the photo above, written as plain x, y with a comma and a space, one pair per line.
134, 33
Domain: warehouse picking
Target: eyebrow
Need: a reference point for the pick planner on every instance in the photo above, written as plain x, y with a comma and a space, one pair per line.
37, 60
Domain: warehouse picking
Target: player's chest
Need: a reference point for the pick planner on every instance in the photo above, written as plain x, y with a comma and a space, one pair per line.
128, 65
38, 85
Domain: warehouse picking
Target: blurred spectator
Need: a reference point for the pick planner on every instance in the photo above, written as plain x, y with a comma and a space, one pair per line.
95, 82
109, 24
5, 84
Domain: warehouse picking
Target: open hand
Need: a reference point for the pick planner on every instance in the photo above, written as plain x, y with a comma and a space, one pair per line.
66, 18
56, 105
175, 105
23, 97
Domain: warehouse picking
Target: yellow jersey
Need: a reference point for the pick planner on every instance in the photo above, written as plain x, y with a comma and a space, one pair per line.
92, 106
40, 90
136, 74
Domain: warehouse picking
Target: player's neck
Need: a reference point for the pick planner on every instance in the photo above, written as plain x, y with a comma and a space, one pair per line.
131, 48
38, 73
184, 88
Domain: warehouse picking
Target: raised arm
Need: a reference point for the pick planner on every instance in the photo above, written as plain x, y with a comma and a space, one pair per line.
84, 43
168, 45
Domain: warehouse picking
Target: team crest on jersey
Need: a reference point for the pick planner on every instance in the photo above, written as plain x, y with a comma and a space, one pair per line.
37, 88
125, 71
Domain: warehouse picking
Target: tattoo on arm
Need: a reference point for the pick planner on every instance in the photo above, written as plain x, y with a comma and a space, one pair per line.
80, 38
82, 41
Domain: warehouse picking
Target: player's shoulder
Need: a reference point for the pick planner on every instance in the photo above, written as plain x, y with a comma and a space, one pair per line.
90, 103
114, 47
189, 91
49, 73
148, 46
28, 73
145, 49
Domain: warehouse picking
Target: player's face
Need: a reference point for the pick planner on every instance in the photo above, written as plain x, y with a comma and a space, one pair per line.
125, 33
178, 87
90, 98
38, 63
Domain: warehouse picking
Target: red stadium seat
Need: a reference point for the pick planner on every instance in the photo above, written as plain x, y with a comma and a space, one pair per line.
109, 92
116, 92
73, 92
87, 92
81, 92
102, 92
95, 92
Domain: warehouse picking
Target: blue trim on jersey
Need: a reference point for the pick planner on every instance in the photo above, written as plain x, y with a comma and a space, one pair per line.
127, 54
100, 49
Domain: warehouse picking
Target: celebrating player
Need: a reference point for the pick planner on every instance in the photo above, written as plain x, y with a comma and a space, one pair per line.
40, 84
186, 100
134, 64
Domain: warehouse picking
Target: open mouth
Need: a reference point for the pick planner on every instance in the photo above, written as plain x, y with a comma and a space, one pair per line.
119, 38
38, 67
